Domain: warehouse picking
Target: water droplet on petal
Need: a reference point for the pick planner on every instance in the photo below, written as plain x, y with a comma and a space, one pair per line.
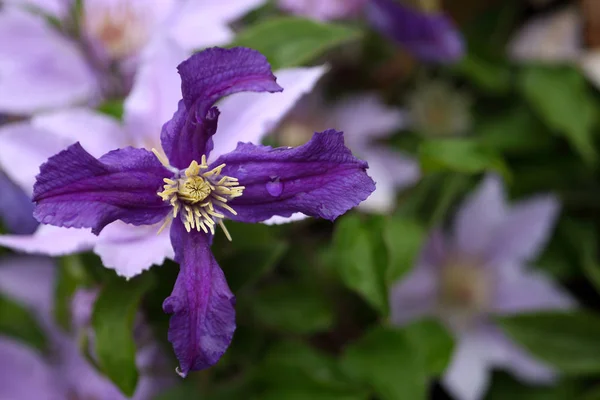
275, 188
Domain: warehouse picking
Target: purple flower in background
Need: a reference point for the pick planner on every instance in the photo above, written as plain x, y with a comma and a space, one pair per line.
250, 184
95, 54
429, 36
479, 271
62, 372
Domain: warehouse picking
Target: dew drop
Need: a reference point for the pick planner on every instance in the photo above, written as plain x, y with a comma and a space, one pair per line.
275, 188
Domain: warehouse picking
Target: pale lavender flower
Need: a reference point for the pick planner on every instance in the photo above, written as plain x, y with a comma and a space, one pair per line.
24, 146
96, 55
364, 119
556, 38
323, 10
62, 372
480, 270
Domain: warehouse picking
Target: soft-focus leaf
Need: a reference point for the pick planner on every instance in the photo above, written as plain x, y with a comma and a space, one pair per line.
16, 321
293, 307
434, 343
568, 341
583, 239
505, 387
388, 361
561, 98
488, 75
353, 255
460, 155
403, 238
294, 370
255, 252
113, 108
112, 320
514, 131
290, 41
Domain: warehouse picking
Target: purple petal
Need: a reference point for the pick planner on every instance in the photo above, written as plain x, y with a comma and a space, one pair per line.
414, 296
130, 250
323, 10
506, 354
155, 92
76, 190
51, 241
518, 291
320, 178
524, 231
30, 281
479, 216
25, 375
16, 208
428, 36
205, 78
200, 24
201, 304
468, 374
40, 68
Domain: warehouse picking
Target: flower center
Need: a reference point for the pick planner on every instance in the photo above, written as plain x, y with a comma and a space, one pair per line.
199, 195
121, 28
465, 291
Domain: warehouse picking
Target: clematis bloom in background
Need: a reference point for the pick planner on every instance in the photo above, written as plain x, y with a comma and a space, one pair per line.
62, 372
250, 184
480, 271
100, 46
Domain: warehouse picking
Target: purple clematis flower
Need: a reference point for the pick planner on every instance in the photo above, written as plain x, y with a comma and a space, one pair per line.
63, 371
429, 36
250, 184
478, 272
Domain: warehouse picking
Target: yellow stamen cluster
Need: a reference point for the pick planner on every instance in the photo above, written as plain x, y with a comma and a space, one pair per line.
198, 195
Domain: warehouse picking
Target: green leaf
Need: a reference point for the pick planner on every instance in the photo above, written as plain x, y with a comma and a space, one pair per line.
562, 99
112, 320
490, 76
387, 360
255, 245
290, 41
293, 307
403, 237
515, 131
71, 275
293, 370
459, 155
505, 387
583, 239
353, 255
16, 321
434, 343
568, 341
113, 108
